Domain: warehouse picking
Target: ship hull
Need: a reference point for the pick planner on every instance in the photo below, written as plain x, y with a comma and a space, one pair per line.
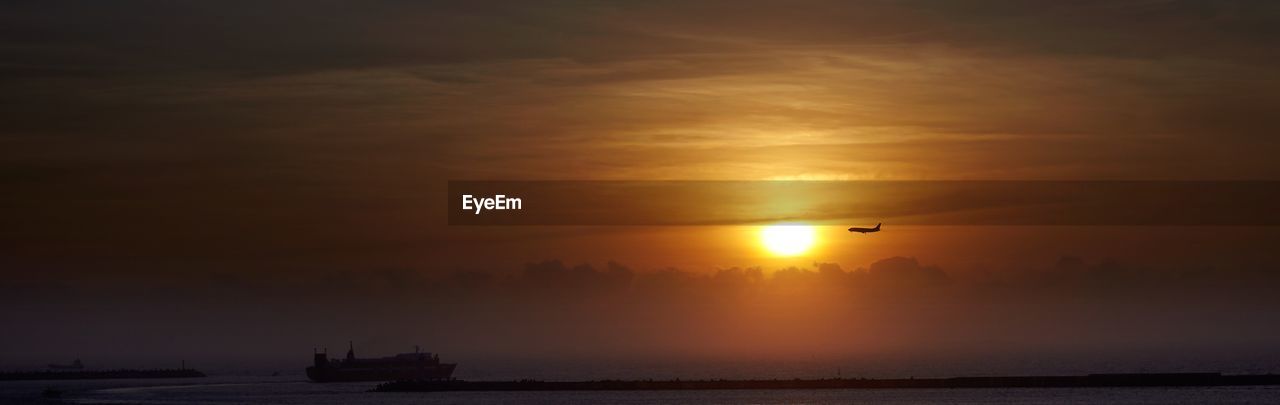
345, 374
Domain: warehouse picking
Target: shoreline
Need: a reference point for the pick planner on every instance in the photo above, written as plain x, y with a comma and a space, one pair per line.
100, 374
1080, 381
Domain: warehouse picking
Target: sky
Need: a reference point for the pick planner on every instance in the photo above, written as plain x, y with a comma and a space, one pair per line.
238, 182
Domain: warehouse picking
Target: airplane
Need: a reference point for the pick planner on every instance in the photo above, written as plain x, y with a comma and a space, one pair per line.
865, 230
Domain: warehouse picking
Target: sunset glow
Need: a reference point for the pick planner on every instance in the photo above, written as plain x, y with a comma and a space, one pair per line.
787, 239
828, 201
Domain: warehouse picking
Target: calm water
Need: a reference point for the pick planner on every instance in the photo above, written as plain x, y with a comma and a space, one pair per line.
293, 390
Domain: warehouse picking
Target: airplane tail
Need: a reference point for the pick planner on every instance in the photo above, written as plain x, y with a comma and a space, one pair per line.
878, 226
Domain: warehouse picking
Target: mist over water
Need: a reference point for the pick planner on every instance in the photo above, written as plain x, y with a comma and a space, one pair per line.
896, 317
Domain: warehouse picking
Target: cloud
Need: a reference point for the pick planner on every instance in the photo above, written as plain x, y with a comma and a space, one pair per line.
906, 271
550, 310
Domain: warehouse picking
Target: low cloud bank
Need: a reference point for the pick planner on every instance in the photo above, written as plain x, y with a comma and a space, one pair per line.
897, 306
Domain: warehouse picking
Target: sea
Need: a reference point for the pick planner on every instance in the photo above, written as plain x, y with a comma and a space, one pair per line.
294, 389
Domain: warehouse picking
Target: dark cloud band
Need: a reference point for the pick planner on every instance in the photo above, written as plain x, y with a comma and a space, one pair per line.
1142, 203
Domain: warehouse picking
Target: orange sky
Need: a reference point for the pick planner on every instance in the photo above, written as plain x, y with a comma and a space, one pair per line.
219, 150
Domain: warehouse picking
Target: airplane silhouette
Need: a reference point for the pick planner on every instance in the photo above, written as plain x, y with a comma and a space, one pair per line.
865, 230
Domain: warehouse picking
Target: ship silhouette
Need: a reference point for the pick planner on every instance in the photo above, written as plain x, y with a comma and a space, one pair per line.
75, 365
405, 366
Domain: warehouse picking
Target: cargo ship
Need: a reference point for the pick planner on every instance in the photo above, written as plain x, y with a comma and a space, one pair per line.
416, 366
75, 365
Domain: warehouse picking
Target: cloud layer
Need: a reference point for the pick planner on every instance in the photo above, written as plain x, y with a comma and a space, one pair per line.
1067, 316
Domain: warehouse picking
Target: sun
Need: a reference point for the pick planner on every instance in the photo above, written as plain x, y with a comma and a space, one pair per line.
787, 239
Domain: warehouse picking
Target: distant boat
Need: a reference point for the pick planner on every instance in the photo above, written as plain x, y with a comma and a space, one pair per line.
404, 366
75, 365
